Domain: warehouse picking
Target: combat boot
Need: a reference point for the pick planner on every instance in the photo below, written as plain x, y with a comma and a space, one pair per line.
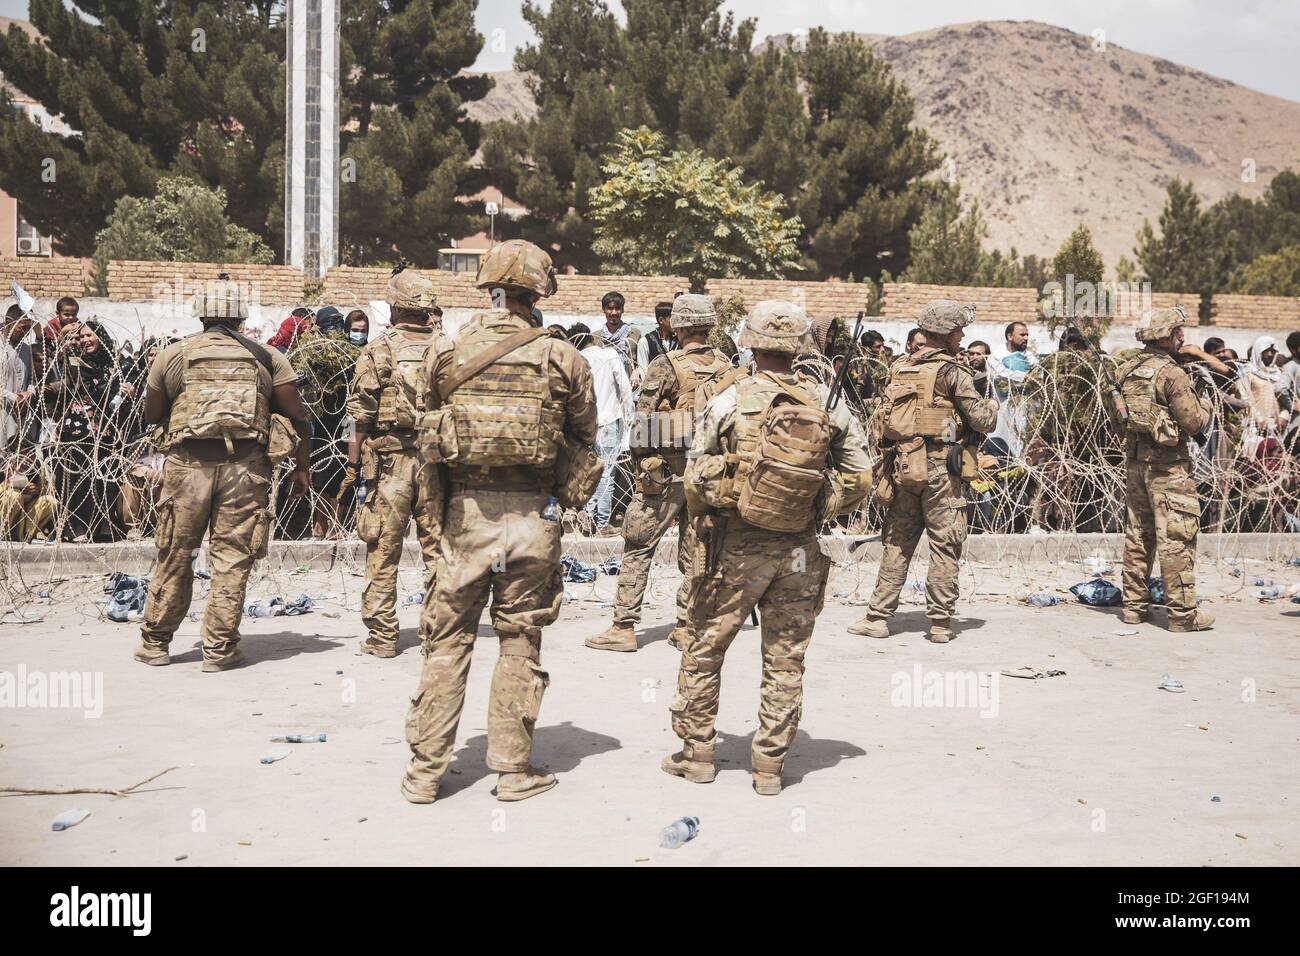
525, 784
941, 632
620, 637
155, 654
233, 659
1134, 616
1202, 621
418, 791
377, 650
870, 627
693, 762
766, 784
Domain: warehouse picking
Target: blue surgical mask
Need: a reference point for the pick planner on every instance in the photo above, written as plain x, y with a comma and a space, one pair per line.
357, 338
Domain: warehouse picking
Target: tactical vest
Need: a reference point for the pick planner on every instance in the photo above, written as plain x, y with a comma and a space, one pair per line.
504, 416
911, 405
399, 361
1148, 418
780, 442
222, 396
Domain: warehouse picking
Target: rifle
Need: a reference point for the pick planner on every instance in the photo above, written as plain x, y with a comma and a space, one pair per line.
837, 384
1120, 410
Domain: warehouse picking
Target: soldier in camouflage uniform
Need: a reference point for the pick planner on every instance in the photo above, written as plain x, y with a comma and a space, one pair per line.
1163, 512
930, 417
677, 385
761, 545
228, 409
385, 404
502, 399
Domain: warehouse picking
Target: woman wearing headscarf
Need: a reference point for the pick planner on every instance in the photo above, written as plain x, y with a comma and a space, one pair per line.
298, 321
86, 460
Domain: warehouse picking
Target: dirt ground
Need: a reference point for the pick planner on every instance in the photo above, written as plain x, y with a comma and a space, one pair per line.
1095, 766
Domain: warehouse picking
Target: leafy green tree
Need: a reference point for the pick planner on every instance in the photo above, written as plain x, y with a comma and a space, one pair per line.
1176, 258
1276, 274
947, 246
188, 86
683, 213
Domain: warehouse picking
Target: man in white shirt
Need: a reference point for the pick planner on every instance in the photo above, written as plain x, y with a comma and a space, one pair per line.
1007, 371
15, 373
614, 412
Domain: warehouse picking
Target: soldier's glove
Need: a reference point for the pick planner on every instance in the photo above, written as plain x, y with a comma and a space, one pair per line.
351, 472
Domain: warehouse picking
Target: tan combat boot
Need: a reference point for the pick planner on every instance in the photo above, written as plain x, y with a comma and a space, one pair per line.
233, 659
941, 632
155, 654
416, 790
620, 637
870, 627
693, 762
1133, 616
1202, 621
766, 784
377, 650
525, 784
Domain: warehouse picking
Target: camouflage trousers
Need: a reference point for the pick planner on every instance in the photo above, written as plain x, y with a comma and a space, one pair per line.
227, 501
1162, 517
939, 510
402, 492
784, 576
494, 544
647, 520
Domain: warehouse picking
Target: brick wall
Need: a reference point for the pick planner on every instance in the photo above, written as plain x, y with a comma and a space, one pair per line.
145, 281
904, 300
816, 298
43, 277
1257, 312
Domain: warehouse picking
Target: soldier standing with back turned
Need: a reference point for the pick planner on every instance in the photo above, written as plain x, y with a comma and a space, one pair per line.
1162, 511
229, 409
676, 387
385, 405
930, 419
505, 401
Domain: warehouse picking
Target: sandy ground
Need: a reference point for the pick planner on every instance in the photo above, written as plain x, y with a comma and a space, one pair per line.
1093, 767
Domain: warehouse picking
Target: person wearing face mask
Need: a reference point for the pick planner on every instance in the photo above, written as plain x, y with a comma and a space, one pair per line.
358, 327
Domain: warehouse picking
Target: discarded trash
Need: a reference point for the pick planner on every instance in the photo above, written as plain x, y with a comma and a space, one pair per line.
302, 604
1216, 799
1268, 594
70, 818
1235, 572
1098, 593
1170, 684
279, 753
1124, 633
679, 832
127, 600
1156, 588
1032, 673
203, 575
611, 565
1293, 562
117, 581
568, 597
1096, 564
579, 572
1261, 583
413, 599
299, 739
1043, 599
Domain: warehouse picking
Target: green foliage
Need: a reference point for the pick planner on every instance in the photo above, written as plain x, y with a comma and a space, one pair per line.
184, 221
148, 96
947, 246
325, 363
1276, 274
1078, 257
1125, 270
682, 213
826, 127
731, 316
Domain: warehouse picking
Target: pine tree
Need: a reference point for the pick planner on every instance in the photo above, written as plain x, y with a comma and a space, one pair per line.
946, 243
190, 86
1175, 260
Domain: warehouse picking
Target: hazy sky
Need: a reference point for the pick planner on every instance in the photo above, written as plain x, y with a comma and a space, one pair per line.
1252, 42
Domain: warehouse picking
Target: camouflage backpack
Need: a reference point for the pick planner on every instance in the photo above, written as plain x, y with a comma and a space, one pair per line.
400, 364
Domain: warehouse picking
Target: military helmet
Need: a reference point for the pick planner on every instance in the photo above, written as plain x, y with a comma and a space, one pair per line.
774, 325
942, 316
220, 298
1159, 323
517, 265
410, 290
693, 312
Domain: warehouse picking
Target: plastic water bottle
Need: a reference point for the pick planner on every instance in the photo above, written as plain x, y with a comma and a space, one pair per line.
1044, 599
299, 739
360, 493
679, 832
256, 610
69, 818
552, 510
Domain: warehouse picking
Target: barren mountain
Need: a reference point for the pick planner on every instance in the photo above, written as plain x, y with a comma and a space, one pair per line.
1049, 128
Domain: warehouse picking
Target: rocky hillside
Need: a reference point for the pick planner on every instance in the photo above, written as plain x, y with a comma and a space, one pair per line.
1048, 131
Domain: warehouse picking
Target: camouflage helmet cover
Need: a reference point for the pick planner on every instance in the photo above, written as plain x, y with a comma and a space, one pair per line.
774, 325
220, 298
692, 311
1159, 323
942, 316
517, 264
410, 290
